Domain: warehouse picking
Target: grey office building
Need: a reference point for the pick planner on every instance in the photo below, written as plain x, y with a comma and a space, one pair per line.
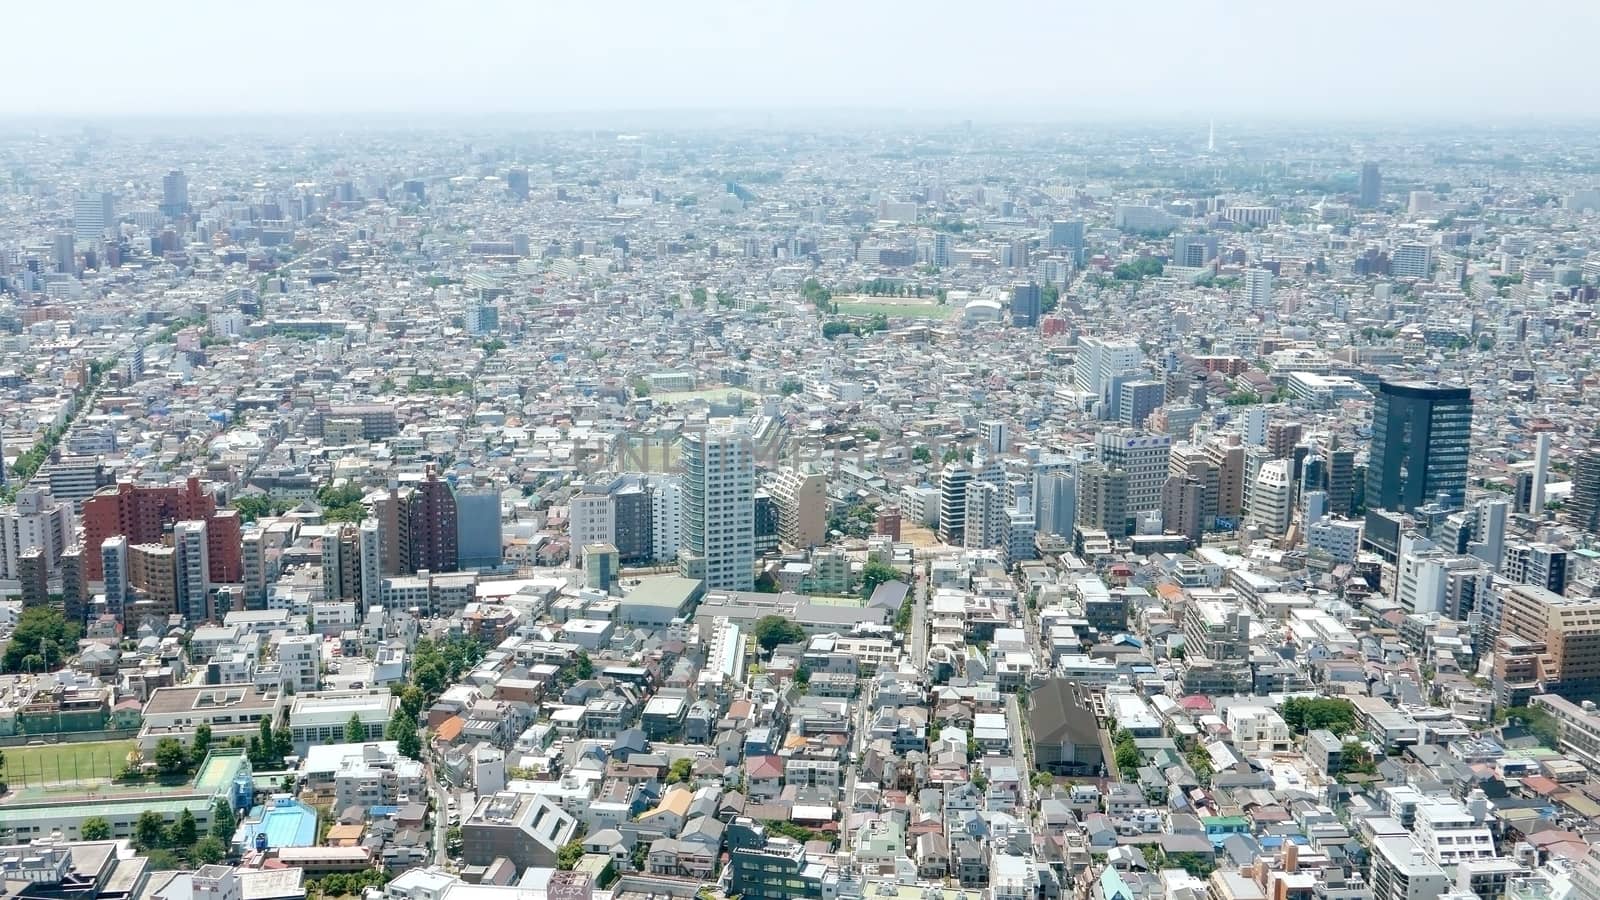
478, 533
1420, 437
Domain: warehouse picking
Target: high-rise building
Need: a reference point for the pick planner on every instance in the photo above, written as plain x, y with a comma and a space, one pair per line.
666, 517
517, 183
1027, 304
1103, 499
74, 586
1101, 358
1371, 186
1541, 471
479, 536
996, 437
591, 518
153, 579
1583, 509
1226, 452
93, 212
1282, 437
1411, 259
174, 194
434, 525
1271, 502
144, 513
632, 522
64, 252
953, 481
1055, 499
1341, 481
1565, 625
1191, 464
718, 509
802, 501
1420, 438
193, 570
1143, 457
1182, 505
764, 513
1068, 236
1544, 565
1190, 249
371, 541
1136, 400
941, 250
114, 564
1258, 288
35, 520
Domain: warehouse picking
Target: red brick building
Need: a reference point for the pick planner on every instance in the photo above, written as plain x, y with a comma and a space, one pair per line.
142, 515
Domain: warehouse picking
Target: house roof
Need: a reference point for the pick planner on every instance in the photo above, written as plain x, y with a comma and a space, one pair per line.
676, 801
450, 728
767, 766
1055, 715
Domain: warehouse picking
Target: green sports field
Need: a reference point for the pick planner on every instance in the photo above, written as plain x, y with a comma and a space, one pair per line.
36, 764
893, 307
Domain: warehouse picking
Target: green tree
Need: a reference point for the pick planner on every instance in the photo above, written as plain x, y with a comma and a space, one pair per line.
95, 828
149, 830
680, 770
770, 631
283, 741
354, 731
202, 743
184, 831
583, 666
42, 640
641, 855
1305, 714
267, 745
210, 851
876, 573
1049, 297
921, 454
222, 821
253, 507
403, 731
170, 756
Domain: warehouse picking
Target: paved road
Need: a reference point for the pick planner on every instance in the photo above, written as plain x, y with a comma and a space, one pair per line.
1019, 748
919, 622
441, 817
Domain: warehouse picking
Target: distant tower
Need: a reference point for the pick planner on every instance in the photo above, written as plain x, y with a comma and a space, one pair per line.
1371, 185
174, 194
1211, 138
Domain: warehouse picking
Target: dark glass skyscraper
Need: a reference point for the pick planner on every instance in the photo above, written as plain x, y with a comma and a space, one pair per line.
1420, 437
1371, 185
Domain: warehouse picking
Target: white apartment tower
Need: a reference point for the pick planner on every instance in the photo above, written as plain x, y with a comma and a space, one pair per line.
1258, 288
591, 519
1270, 507
194, 570
1100, 358
666, 516
719, 483
35, 520
114, 562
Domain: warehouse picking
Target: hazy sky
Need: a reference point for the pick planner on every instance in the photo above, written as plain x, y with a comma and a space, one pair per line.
1130, 58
